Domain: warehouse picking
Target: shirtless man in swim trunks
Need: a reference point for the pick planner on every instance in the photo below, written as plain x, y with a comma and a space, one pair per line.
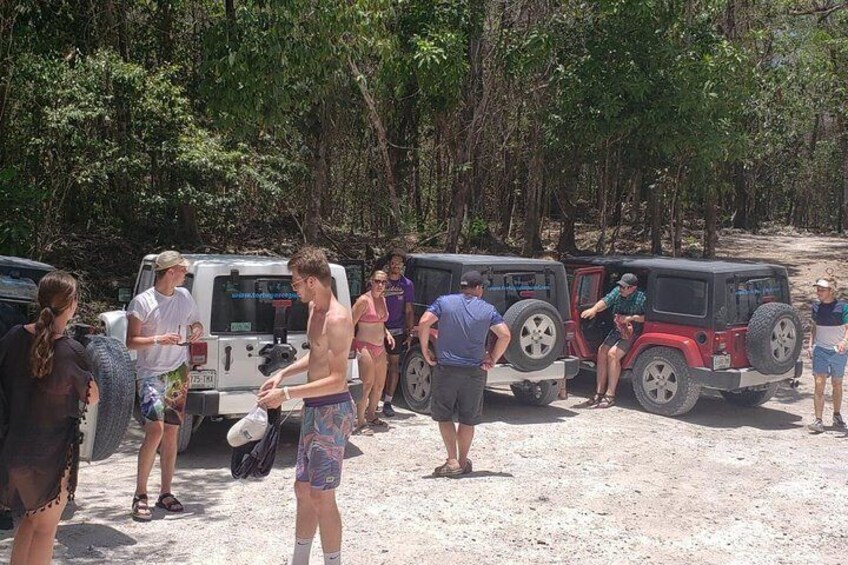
328, 412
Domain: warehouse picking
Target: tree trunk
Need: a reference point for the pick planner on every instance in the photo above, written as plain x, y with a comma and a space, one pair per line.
740, 190
532, 241
843, 169
165, 15
320, 175
383, 144
471, 118
567, 189
710, 227
655, 205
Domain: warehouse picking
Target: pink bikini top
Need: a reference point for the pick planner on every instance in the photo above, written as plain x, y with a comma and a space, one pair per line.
371, 317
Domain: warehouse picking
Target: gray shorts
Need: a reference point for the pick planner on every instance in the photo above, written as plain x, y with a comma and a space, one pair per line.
457, 390
613, 339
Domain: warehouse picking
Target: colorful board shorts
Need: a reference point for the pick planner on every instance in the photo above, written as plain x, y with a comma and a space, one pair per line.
162, 398
827, 361
327, 423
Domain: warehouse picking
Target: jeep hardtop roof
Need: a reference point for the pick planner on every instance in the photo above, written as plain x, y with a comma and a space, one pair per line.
481, 260
650, 262
7, 262
224, 259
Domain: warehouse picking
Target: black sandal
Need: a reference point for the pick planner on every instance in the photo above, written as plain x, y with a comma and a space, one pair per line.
169, 502
140, 509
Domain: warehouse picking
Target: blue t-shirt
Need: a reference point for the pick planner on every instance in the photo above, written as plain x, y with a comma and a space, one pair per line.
464, 323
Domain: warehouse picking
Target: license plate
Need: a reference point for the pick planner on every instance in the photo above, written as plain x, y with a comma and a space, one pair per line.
721, 362
202, 379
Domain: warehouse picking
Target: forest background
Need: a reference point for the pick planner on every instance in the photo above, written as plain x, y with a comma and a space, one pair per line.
522, 126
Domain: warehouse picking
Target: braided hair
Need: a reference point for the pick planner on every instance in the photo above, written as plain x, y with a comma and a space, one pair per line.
57, 291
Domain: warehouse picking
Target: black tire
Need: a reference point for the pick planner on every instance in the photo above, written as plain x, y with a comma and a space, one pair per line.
538, 336
536, 394
663, 383
774, 338
415, 381
750, 398
113, 372
186, 429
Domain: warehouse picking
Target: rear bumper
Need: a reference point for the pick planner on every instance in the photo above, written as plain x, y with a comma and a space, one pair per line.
733, 379
559, 369
237, 403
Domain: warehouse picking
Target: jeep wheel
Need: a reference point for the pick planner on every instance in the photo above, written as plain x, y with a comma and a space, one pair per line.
750, 398
113, 372
536, 394
774, 338
188, 427
415, 381
538, 335
662, 382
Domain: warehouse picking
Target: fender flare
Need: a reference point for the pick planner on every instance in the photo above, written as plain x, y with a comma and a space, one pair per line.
686, 345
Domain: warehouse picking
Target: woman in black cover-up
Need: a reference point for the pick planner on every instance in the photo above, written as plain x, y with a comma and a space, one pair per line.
45, 382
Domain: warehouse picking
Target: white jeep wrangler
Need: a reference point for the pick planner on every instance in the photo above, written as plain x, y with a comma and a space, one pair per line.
246, 304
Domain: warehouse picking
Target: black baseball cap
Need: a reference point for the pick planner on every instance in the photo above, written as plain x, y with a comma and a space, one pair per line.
471, 279
628, 279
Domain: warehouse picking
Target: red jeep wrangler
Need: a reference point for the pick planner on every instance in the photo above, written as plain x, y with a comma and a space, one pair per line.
723, 325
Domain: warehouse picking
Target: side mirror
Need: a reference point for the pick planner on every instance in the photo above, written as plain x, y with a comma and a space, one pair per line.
124, 295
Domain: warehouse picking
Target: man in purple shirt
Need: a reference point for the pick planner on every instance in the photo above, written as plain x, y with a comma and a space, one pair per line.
399, 294
459, 371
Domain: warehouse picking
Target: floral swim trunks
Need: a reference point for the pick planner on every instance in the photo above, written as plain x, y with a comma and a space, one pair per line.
327, 424
162, 398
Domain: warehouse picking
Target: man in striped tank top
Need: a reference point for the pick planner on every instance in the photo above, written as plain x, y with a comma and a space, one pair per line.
828, 344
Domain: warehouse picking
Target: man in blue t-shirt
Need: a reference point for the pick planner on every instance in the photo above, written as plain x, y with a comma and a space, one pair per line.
459, 370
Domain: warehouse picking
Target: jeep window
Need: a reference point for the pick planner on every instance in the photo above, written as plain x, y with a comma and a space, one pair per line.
147, 278
430, 284
508, 288
744, 295
680, 296
246, 305
586, 297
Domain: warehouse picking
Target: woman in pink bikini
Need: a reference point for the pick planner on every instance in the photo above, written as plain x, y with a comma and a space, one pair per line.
370, 315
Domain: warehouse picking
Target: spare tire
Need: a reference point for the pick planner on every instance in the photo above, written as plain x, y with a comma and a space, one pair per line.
774, 338
538, 336
115, 377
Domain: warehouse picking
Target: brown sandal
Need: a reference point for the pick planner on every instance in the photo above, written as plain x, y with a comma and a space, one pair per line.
446, 470
607, 401
377, 422
140, 509
169, 502
363, 430
593, 400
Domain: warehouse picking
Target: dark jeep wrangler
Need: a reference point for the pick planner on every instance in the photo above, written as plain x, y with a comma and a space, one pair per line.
530, 294
723, 325
106, 422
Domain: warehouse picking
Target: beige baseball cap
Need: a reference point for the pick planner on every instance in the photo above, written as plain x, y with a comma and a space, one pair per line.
168, 259
824, 283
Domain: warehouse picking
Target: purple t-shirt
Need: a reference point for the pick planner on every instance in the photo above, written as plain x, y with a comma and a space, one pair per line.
397, 294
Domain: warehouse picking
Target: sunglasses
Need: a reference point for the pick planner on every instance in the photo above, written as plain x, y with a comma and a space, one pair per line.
380, 282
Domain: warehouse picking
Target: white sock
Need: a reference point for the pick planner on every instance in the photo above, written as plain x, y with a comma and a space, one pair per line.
302, 547
334, 558
387, 398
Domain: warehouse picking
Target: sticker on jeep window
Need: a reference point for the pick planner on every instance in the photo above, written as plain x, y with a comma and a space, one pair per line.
264, 296
241, 327
519, 288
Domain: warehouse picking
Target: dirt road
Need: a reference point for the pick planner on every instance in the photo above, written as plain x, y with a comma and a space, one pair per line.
551, 485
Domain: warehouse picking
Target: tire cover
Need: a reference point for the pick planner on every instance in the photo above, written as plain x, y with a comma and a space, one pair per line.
520, 319
763, 330
115, 377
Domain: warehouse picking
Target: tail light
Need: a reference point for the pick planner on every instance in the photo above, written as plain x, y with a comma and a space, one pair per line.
570, 328
198, 352
720, 342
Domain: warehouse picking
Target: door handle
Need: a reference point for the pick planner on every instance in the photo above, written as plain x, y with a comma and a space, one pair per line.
305, 345
227, 357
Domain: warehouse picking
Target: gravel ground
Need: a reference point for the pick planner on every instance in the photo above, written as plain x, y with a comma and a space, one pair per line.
550, 485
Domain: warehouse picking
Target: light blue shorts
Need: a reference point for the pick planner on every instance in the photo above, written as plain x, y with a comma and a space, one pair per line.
826, 361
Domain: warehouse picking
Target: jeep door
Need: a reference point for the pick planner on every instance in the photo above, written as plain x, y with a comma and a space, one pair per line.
586, 290
246, 307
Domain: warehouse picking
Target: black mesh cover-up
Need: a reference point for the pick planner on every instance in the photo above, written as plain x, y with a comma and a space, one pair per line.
39, 422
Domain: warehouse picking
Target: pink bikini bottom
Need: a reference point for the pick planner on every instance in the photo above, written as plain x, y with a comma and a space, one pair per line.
375, 349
